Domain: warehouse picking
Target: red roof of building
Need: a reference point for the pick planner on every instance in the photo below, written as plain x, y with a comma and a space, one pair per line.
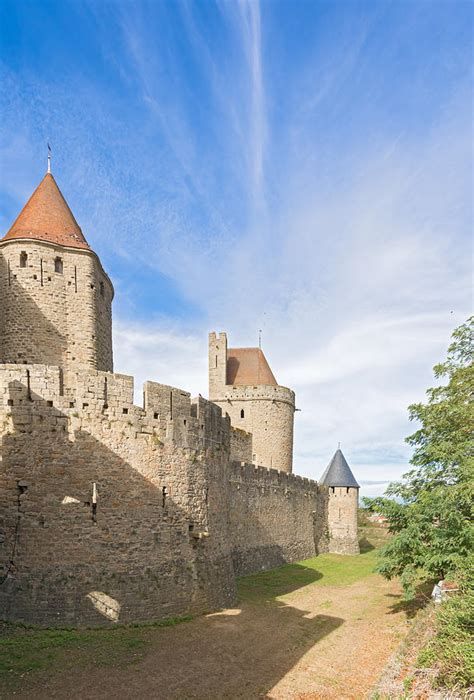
46, 217
248, 366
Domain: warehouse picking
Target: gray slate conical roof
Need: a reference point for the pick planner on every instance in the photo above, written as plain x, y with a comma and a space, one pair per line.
338, 472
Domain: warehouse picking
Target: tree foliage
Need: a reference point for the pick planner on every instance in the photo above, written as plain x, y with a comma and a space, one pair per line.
431, 511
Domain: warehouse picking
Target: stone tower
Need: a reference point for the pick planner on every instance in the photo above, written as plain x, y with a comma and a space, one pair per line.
56, 297
242, 384
342, 505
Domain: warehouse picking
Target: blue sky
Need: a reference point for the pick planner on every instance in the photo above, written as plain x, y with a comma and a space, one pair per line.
300, 167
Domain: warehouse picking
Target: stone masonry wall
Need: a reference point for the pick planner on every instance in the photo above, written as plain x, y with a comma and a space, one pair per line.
156, 543
175, 521
342, 520
54, 317
240, 445
274, 518
267, 413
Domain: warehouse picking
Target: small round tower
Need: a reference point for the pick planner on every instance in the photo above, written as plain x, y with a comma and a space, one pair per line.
243, 385
56, 299
343, 502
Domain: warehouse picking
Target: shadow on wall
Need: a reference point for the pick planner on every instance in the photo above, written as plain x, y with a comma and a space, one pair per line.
275, 522
67, 561
133, 556
27, 335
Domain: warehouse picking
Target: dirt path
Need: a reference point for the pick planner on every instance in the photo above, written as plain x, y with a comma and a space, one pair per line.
316, 642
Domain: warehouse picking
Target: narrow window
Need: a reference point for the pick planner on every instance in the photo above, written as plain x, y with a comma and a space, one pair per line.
164, 493
102, 290
28, 385
347, 489
58, 265
23, 259
242, 413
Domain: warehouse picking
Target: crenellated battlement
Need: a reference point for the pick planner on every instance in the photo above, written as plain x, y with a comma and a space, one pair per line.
264, 476
168, 414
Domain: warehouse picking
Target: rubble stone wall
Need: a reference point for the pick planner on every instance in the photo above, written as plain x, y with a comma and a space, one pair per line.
111, 512
56, 307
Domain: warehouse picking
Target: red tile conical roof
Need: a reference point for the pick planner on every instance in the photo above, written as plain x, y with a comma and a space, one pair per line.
46, 217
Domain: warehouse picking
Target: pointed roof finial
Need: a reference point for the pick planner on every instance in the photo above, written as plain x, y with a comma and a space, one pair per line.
49, 159
260, 338
338, 445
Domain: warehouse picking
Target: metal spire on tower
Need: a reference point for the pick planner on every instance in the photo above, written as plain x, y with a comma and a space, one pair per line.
49, 159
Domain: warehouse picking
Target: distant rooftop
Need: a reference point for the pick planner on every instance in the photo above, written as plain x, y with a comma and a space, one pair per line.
248, 366
338, 472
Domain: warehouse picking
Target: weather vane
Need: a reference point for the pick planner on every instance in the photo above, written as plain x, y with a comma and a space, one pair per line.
260, 338
49, 159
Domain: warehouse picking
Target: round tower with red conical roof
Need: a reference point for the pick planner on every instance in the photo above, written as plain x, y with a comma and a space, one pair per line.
56, 299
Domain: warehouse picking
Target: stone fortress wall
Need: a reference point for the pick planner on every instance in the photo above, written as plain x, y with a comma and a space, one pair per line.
111, 512
265, 411
56, 306
175, 519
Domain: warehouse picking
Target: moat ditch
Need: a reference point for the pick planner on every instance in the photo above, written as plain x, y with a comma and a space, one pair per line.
321, 628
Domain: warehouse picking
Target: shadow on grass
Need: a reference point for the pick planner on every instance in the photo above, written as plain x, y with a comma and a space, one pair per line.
256, 646
271, 584
411, 607
365, 545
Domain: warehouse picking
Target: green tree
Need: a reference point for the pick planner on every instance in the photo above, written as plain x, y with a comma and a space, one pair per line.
431, 511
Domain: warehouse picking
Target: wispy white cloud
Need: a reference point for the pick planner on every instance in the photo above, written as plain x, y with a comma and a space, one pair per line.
351, 256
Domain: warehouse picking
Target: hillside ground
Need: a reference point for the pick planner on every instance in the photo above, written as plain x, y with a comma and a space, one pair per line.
321, 628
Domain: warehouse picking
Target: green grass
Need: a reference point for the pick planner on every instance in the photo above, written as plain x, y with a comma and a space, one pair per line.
324, 570
26, 649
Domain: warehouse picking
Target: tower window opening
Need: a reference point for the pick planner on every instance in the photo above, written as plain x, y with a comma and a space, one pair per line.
58, 265
242, 413
101, 288
23, 259
347, 489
